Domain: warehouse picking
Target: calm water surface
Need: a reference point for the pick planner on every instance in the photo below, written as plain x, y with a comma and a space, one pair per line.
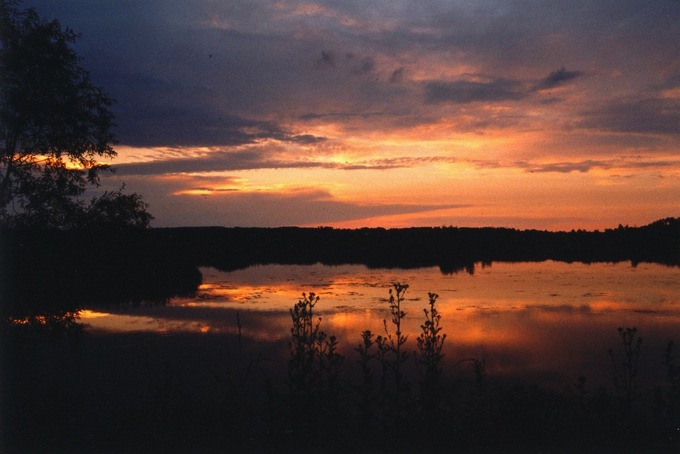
548, 321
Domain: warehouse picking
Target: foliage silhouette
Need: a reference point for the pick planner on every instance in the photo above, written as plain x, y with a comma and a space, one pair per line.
54, 126
116, 210
396, 343
173, 406
451, 249
306, 336
670, 406
508, 417
65, 271
430, 345
392, 355
313, 369
626, 372
366, 398
50, 266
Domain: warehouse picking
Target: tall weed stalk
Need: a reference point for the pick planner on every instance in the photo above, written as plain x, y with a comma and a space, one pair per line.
672, 407
391, 355
626, 371
365, 388
430, 345
306, 336
313, 371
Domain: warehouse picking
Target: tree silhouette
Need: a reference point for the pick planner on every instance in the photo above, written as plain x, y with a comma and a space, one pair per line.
54, 126
115, 209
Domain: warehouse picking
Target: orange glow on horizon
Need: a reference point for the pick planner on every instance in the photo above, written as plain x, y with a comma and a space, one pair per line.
521, 178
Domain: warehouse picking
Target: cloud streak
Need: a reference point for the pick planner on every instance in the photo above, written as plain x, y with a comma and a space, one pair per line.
304, 206
588, 165
558, 78
263, 158
648, 115
440, 97
463, 91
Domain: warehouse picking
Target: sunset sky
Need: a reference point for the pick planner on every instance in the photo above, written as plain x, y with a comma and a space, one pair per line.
528, 114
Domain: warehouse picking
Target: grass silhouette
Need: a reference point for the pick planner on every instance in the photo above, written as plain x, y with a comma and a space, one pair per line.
384, 413
320, 402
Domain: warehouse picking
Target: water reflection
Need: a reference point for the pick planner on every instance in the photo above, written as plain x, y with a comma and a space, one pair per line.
550, 320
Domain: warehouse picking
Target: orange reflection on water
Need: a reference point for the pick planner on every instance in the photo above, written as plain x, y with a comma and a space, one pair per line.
245, 296
530, 318
120, 322
139, 322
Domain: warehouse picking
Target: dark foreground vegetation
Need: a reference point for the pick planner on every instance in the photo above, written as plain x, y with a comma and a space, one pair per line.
385, 392
64, 390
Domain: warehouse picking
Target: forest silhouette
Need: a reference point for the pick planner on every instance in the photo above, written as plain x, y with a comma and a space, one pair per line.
43, 269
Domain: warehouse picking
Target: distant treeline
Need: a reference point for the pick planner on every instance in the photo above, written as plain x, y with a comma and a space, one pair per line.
450, 248
152, 264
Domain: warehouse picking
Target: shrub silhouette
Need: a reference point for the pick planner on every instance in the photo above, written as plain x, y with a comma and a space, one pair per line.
519, 416
670, 408
303, 365
626, 372
391, 356
313, 370
365, 349
314, 409
430, 344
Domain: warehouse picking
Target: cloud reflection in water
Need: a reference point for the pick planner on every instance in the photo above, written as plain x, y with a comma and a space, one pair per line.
550, 319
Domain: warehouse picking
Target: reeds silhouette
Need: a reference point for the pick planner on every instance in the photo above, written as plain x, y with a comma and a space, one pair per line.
392, 355
430, 345
626, 371
669, 401
320, 405
386, 415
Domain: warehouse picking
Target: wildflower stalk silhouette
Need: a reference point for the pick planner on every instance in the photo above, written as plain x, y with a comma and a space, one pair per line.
430, 345
626, 372
392, 355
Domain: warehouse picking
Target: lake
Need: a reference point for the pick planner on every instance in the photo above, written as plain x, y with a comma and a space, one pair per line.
526, 364
544, 322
